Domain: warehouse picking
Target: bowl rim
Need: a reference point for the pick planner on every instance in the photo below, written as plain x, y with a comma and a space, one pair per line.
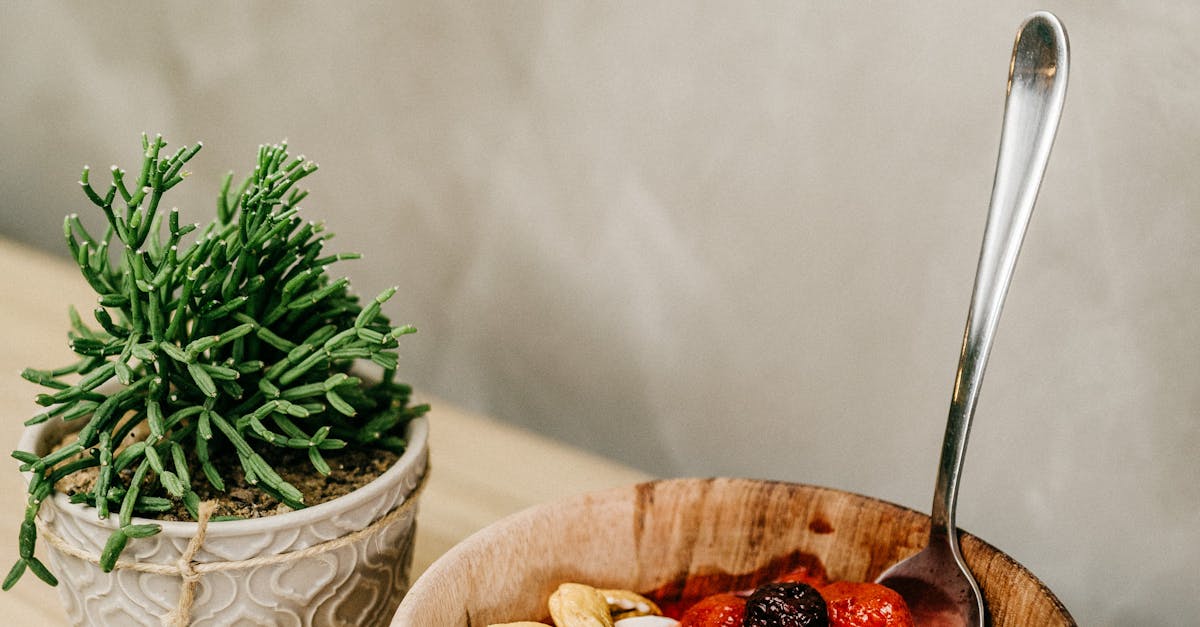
482, 536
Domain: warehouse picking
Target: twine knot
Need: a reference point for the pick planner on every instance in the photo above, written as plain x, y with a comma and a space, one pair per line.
188, 573
181, 615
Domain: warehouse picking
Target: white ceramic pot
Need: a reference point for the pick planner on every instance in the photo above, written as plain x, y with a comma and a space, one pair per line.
356, 584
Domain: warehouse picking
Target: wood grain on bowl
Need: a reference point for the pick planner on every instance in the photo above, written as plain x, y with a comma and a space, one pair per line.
690, 537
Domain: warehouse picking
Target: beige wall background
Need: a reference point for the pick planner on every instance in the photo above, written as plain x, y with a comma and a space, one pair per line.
715, 238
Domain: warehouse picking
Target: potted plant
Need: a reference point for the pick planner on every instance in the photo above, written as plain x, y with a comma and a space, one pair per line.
222, 380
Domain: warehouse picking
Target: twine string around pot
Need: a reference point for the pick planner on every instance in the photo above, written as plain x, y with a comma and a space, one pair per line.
190, 571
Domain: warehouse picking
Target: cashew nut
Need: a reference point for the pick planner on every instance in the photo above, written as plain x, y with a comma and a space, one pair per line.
577, 605
626, 604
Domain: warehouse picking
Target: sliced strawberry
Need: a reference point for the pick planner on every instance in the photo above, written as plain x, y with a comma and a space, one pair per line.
812, 575
865, 605
718, 610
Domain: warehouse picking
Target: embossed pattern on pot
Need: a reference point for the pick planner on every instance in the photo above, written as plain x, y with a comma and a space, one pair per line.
358, 584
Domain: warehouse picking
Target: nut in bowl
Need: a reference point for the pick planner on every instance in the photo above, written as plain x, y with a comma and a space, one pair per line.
681, 540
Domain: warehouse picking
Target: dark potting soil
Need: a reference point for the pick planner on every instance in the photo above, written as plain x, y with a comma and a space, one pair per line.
349, 471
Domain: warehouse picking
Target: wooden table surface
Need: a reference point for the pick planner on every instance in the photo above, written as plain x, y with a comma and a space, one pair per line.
482, 469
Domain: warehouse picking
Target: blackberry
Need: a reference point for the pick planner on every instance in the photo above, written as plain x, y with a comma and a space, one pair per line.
786, 605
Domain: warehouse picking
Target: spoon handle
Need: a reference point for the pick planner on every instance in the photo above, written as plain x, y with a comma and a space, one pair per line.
1037, 84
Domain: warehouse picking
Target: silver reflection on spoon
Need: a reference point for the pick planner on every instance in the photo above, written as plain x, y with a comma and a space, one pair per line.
936, 582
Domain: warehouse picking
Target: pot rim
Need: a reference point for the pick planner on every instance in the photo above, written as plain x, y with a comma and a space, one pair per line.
415, 453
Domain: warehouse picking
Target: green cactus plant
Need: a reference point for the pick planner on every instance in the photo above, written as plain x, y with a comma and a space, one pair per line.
228, 339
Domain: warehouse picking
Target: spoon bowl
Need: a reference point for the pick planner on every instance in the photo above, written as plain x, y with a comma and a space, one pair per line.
936, 582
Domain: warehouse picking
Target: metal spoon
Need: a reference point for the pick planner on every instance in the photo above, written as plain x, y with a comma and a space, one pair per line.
936, 582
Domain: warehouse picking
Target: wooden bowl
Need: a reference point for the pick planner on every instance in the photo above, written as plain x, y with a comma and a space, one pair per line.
693, 536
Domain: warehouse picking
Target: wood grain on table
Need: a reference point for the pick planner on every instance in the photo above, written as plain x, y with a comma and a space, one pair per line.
483, 470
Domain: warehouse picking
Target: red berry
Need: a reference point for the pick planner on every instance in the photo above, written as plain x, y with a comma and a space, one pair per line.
865, 605
718, 610
811, 575
786, 605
